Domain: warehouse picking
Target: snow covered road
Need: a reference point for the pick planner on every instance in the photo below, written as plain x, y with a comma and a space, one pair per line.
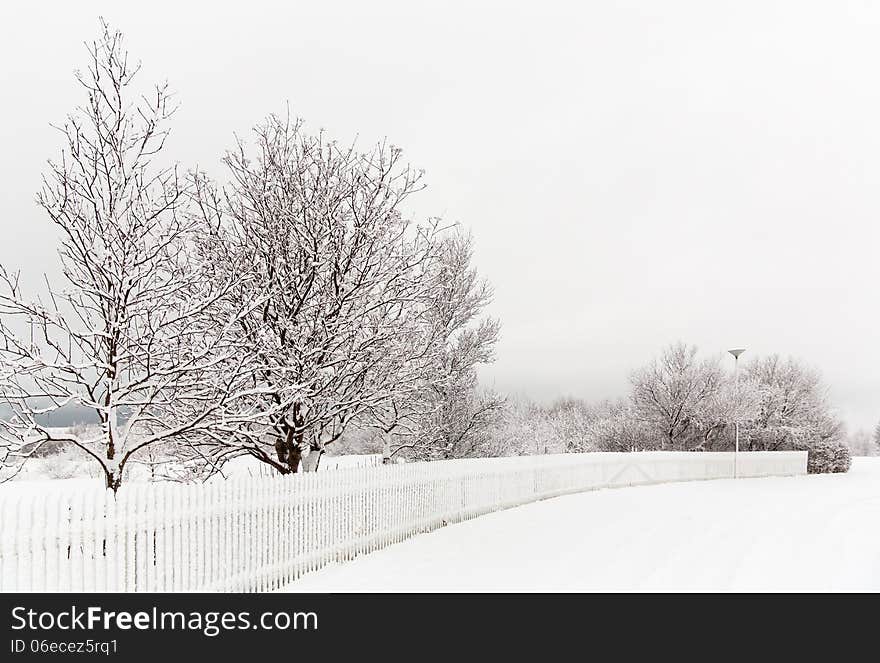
811, 533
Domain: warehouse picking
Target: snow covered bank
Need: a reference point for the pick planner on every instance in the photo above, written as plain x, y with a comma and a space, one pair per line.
806, 533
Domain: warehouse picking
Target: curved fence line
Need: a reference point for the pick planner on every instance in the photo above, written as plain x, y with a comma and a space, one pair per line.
257, 534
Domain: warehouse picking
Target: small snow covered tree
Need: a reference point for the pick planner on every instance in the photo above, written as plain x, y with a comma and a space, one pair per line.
343, 276
137, 331
444, 414
828, 456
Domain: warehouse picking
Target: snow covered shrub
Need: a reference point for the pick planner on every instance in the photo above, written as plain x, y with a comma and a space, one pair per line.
65, 463
827, 457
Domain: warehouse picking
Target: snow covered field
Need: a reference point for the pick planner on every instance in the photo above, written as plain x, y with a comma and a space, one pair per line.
809, 533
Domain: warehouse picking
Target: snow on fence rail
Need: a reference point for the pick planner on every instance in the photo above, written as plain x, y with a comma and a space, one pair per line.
258, 534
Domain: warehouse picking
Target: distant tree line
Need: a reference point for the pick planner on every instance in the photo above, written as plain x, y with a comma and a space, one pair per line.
864, 443
681, 402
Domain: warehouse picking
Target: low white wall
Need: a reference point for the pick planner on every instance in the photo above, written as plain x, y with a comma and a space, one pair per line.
257, 534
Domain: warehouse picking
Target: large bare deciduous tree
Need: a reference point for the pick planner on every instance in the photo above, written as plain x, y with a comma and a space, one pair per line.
345, 276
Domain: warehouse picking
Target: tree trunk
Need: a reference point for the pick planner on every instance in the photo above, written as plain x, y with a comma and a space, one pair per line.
386, 448
290, 449
294, 455
112, 479
281, 447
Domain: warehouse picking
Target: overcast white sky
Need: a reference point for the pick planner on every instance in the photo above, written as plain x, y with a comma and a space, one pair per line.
634, 172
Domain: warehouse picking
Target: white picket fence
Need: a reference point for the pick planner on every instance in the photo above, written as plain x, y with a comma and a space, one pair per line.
258, 534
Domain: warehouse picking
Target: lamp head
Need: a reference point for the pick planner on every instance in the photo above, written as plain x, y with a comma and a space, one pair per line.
736, 352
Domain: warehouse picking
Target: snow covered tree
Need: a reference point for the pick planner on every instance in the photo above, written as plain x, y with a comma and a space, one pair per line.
523, 428
861, 443
794, 411
135, 333
731, 402
573, 424
445, 414
617, 427
344, 277
671, 393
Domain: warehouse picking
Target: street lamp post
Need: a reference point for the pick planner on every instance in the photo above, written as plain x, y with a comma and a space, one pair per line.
736, 352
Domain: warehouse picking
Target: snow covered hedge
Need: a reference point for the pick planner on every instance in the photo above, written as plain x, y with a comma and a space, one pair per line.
828, 457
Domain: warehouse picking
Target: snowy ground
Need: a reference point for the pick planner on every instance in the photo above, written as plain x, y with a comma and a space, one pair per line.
812, 533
